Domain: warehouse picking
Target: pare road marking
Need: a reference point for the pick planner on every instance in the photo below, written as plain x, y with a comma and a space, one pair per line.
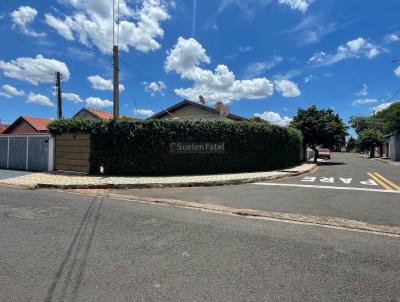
331, 180
326, 187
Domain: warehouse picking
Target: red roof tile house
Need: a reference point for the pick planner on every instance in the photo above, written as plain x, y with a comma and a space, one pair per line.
89, 114
28, 125
2, 128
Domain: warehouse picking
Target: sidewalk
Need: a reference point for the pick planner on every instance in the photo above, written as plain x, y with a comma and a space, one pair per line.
75, 181
384, 160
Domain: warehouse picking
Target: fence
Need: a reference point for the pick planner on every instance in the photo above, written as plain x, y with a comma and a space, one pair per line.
26, 152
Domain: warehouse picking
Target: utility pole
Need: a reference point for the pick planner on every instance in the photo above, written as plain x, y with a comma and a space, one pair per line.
116, 82
59, 100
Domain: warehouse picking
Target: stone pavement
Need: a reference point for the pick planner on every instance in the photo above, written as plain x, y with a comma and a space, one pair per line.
78, 181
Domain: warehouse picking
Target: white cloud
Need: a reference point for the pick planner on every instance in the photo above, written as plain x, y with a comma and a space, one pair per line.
10, 90
22, 19
301, 5
308, 78
356, 48
5, 95
397, 71
91, 24
34, 70
288, 88
363, 91
97, 102
144, 112
60, 26
390, 38
274, 118
39, 99
239, 51
155, 87
258, 68
364, 101
217, 85
103, 84
76, 99
383, 106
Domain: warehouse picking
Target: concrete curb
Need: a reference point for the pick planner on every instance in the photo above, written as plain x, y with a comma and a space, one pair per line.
297, 218
288, 173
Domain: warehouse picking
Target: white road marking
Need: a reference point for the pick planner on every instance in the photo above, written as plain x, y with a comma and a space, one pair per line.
346, 181
369, 182
309, 179
330, 180
325, 187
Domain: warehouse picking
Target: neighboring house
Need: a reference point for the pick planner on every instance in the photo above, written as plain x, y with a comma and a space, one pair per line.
393, 144
90, 114
191, 111
2, 128
28, 125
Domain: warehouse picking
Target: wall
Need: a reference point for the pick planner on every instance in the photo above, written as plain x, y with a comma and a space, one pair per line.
394, 147
22, 128
26, 152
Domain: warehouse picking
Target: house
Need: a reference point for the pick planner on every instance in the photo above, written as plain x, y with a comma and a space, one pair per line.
89, 114
191, 111
28, 125
392, 144
2, 128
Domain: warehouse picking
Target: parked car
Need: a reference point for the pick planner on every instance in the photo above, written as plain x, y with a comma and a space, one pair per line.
324, 153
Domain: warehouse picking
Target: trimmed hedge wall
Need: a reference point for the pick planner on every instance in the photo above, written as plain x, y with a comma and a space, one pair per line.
143, 147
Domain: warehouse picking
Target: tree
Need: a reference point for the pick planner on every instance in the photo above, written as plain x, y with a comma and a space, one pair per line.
351, 144
369, 139
390, 117
320, 127
257, 119
360, 123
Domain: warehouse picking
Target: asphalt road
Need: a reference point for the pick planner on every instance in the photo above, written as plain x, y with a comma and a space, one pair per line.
58, 246
375, 205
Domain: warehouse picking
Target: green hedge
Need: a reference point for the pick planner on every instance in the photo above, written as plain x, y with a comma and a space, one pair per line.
143, 147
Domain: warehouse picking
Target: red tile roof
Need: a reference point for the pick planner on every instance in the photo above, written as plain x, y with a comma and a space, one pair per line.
100, 114
2, 128
40, 124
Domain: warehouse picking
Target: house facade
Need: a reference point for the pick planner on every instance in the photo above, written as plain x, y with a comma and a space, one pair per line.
191, 111
90, 114
2, 128
28, 125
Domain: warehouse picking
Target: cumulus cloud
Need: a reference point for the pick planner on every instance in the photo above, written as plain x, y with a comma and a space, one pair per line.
72, 97
383, 106
364, 101
34, 70
97, 102
144, 112
301, 5
10, 90
390, 38
219, 85
5, 95
22, 18
103, 84
39, 99
397, 71
356, 48
91, 24
274, 118
288, 88
155, 87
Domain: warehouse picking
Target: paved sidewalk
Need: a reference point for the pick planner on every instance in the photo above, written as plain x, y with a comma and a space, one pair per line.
76, 181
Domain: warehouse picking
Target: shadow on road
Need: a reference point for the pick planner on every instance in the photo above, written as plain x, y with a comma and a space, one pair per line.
331, 163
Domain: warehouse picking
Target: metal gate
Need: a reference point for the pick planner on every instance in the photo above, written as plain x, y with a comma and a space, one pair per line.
26, 152
72, 152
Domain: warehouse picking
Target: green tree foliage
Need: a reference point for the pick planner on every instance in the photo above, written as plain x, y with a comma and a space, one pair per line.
351, 144
390, 118
320, 127
257, 119
144, 147
360, 123
369, 139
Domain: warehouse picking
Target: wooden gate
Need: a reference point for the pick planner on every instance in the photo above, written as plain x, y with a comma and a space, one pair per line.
72, 152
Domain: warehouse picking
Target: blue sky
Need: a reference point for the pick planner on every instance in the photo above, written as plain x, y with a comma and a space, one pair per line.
263, 57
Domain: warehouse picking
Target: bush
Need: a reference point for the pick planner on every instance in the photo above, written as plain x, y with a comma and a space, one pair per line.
143, 147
